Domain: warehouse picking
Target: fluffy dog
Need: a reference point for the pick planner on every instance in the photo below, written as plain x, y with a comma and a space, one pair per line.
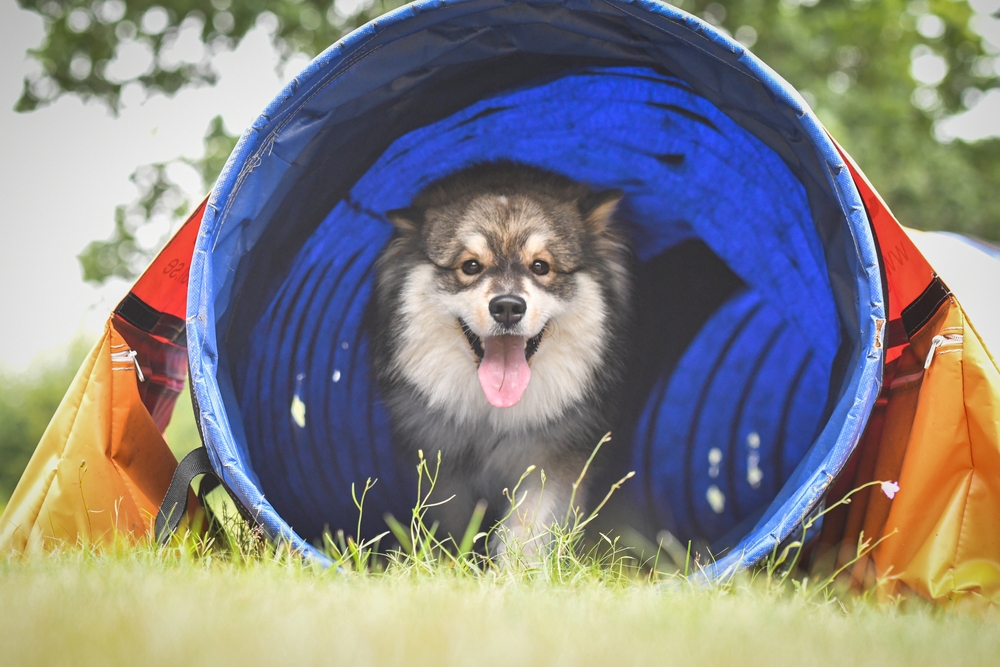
498, 336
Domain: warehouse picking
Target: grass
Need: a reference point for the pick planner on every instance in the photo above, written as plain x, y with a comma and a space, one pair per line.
235, 599
155, 607
238, 600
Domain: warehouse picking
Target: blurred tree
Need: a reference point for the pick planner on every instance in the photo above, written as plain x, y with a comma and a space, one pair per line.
879, 73
97, 48
27, 403
159, 196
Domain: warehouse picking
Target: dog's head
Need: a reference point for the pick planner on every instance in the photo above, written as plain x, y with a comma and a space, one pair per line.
516, 265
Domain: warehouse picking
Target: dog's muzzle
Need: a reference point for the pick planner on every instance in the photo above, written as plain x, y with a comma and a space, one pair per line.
476, 343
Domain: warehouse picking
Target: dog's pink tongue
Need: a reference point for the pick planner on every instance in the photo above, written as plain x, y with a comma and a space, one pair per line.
504, 371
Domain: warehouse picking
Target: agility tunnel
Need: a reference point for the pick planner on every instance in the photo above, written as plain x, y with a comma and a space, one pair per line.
776, 293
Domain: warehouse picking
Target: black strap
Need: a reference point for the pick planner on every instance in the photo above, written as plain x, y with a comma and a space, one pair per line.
142, 316
174, 505
208, 484
918, 313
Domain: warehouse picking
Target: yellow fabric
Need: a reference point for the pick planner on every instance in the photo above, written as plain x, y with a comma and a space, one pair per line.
946, 515
941, 440
101, 468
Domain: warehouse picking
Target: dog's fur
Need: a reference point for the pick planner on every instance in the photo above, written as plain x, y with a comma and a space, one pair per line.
505, 216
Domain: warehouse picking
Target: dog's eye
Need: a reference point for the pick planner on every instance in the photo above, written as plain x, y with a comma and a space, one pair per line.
539, 268
471, 267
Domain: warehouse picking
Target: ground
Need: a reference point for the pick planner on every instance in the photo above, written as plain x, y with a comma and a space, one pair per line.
142, 607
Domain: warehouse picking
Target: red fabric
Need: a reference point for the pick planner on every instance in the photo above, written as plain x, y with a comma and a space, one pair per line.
163, 286
164, 368
907, 272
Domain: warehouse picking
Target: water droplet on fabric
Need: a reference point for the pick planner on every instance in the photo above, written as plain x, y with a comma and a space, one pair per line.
298, 412
716, 499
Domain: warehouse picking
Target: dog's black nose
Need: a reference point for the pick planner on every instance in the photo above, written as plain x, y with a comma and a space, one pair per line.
508, 309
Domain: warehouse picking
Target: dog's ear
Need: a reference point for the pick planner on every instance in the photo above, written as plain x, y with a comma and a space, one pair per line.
406, 220
598, 208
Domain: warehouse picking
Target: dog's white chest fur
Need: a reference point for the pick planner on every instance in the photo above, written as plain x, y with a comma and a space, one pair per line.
498, 334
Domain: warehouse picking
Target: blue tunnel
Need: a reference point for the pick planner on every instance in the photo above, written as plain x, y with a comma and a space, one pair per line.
757, 282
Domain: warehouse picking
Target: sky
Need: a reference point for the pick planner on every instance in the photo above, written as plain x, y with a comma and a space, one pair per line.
64, 169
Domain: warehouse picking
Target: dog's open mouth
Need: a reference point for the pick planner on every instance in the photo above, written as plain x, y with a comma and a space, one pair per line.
503, 364
476, 343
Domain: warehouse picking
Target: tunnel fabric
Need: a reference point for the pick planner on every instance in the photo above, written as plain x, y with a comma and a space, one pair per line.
722, 433
312, 145
705, 177
428, 62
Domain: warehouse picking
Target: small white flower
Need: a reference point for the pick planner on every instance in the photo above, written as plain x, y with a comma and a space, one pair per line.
890, 489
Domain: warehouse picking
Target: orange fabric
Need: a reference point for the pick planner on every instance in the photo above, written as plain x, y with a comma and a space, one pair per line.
948, 520
881, 459
164, 367
938, 433
101, 468
941, 441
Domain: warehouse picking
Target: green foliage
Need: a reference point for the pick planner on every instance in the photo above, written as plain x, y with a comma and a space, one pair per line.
853, 60
27, 403
120, 255
82, 38
182, 432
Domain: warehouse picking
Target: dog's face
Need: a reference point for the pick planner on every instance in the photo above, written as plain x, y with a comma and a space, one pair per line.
504, 298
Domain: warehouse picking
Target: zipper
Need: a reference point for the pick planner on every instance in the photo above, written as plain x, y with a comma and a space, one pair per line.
128, 356
940, 341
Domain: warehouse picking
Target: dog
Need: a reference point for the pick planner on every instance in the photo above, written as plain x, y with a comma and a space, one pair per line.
499, 339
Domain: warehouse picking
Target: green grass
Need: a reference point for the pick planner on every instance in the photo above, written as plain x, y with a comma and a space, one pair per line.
148, 607
182, 432
235, 599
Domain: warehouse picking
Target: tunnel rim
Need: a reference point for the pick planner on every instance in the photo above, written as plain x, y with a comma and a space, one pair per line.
220, 441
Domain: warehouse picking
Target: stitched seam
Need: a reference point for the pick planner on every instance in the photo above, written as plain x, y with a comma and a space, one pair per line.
62, 450
965, 509
268, 142
684, 39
